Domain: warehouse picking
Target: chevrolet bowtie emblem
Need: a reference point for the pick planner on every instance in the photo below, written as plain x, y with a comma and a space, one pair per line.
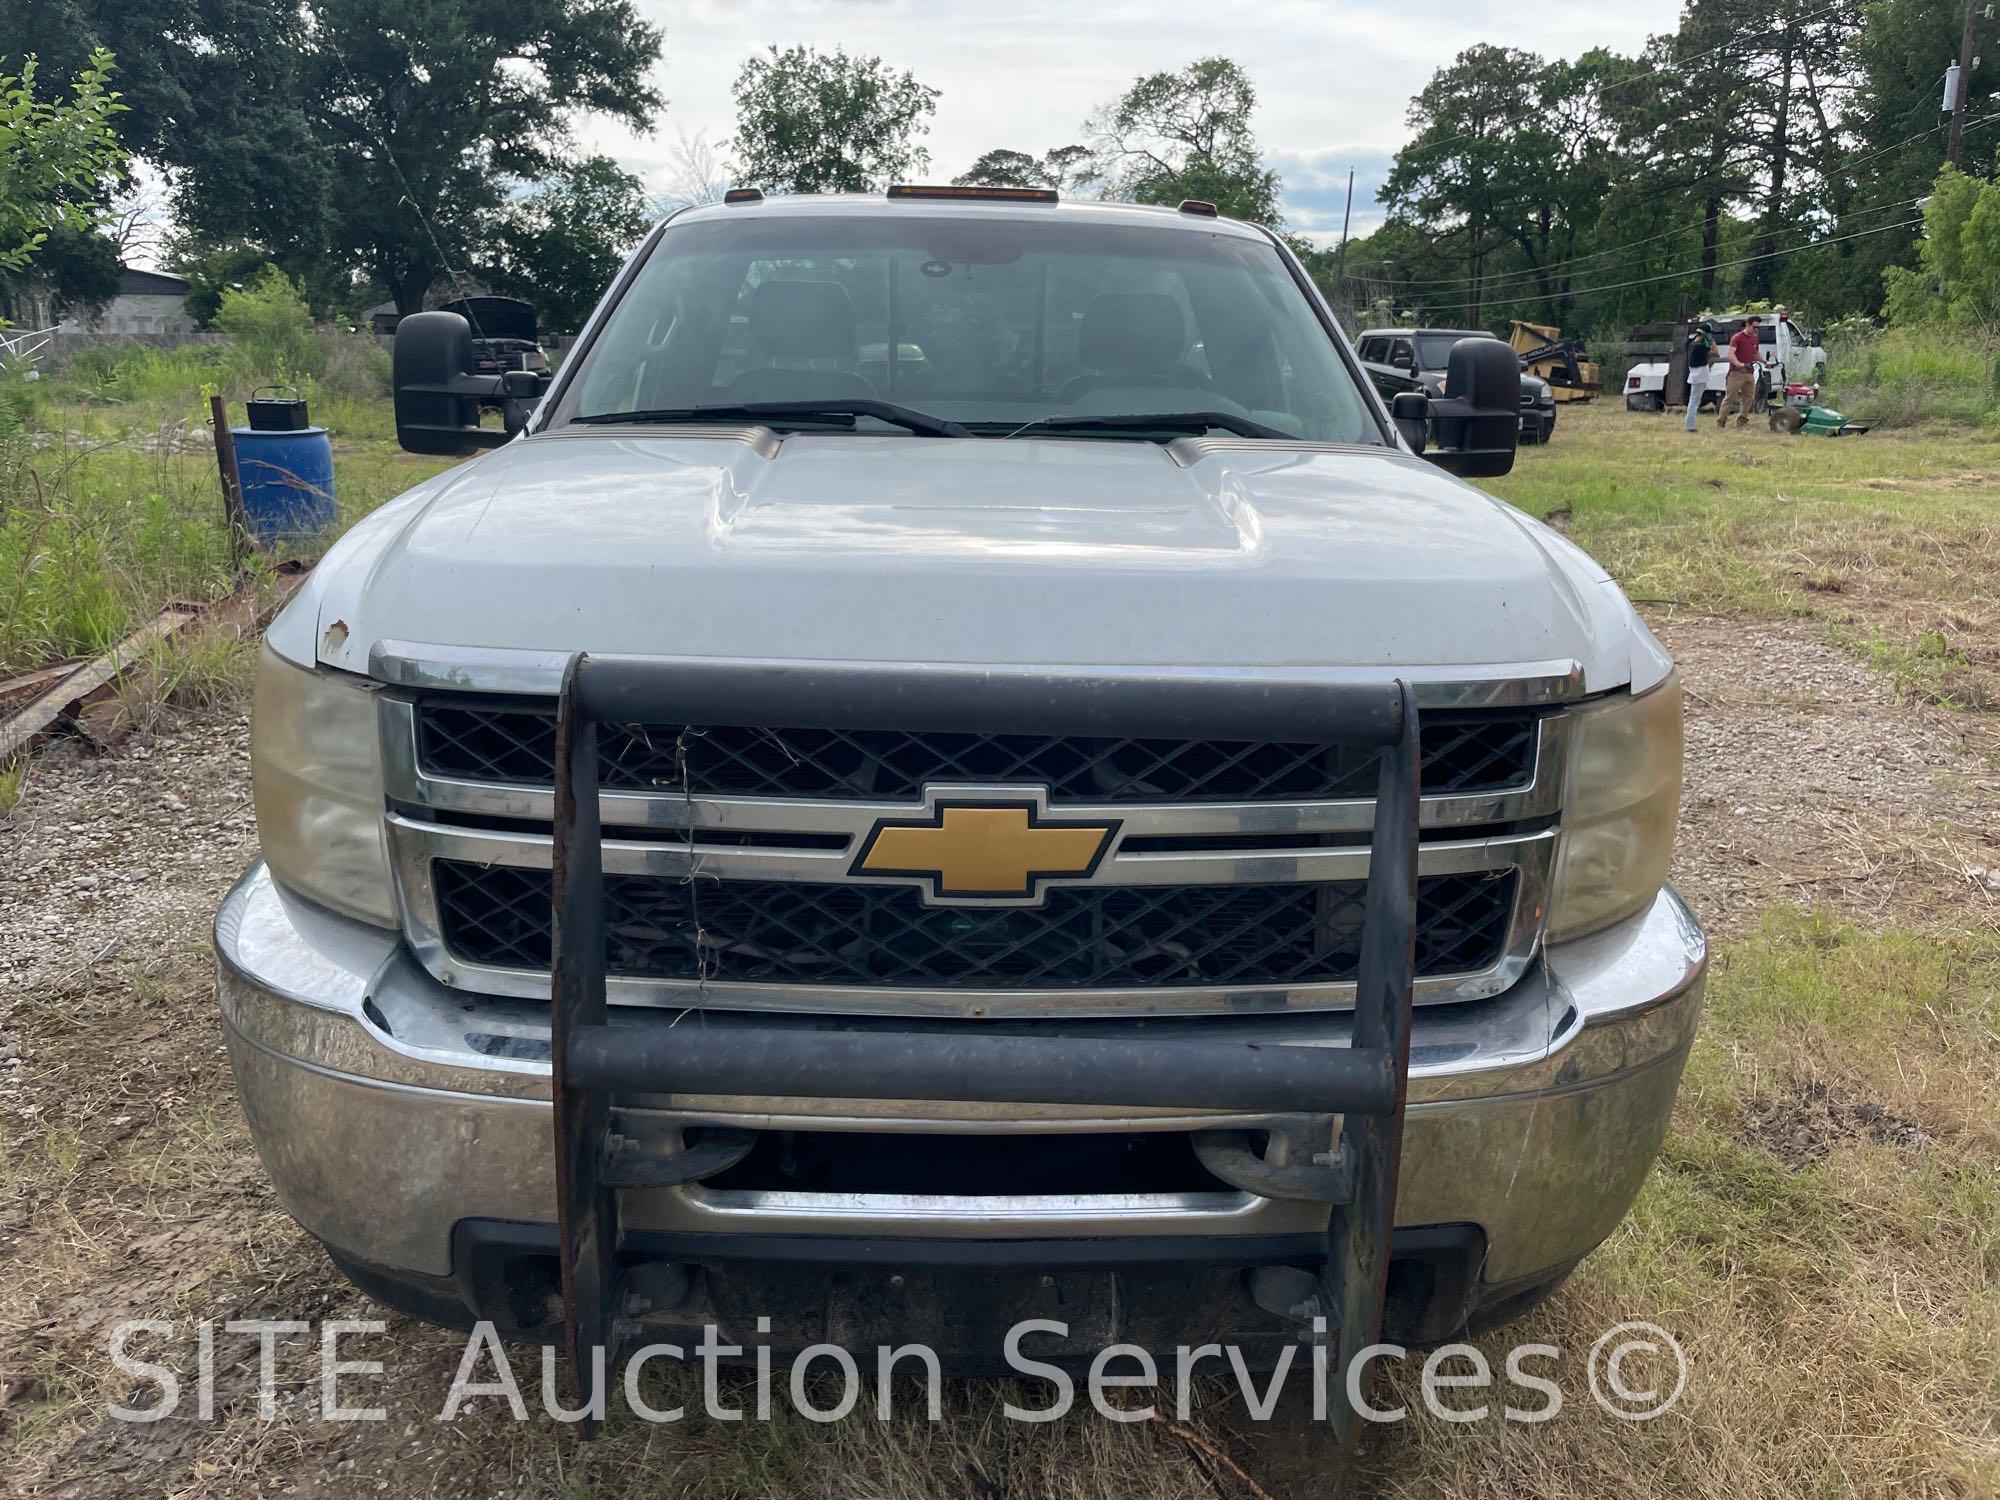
983, 849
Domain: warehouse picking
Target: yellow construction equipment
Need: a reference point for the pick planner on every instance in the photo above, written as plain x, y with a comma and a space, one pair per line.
1559, 361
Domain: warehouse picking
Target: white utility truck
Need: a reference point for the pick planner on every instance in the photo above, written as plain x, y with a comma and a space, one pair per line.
1794, 360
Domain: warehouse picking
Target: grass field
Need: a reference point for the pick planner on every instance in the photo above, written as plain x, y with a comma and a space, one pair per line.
110, 505
1893, 537
1821, 1234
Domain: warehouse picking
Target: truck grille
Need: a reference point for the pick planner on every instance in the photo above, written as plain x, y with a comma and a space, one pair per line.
790, 932
1464, 752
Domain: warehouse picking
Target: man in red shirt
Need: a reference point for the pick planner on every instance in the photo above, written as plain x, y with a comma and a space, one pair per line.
1741, 392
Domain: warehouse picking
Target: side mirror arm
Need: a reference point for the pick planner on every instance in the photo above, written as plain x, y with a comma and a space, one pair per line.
521, 389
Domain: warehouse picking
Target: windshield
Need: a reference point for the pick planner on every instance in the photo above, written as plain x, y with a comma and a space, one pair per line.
993, 323
1434, 349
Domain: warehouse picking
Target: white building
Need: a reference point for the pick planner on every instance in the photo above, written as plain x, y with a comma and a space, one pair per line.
148, 304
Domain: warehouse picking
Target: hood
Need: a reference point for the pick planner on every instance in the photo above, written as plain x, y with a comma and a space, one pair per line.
1037, 552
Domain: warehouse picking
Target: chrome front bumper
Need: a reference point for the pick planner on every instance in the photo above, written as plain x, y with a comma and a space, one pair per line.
389, 1108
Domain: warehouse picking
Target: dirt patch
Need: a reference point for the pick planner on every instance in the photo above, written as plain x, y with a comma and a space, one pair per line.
1810, 780
1807, 1121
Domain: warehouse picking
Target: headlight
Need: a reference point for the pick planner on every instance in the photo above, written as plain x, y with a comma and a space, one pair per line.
1619, 809
316, 770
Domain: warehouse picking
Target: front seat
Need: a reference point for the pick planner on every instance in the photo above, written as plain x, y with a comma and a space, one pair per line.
1134, 339
794, 322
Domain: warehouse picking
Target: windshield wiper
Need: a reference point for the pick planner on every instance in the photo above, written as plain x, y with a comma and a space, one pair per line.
1163, 421
919, 422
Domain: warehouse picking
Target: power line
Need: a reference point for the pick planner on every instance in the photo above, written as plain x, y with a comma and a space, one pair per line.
1509, 279
1586, 291
1461, 280
1502, 279
464, 282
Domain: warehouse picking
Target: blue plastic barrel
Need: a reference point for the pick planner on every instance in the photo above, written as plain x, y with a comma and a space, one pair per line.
287, 482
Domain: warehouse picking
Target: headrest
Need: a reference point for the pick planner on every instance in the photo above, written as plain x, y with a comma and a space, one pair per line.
802, 320
1133, 330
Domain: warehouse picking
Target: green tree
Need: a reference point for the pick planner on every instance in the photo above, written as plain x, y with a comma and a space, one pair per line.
1063, 168
210, 270
1476, 177
56, 158
270, 330
1957, 278
377, 138
565, 241
1736, 114
146, 36
1894, 143
1186, 134
79, 267
826, 122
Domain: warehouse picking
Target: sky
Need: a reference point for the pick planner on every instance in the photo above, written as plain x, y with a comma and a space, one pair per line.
1333, 77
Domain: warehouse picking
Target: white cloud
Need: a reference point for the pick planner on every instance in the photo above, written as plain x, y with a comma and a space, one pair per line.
1333, 76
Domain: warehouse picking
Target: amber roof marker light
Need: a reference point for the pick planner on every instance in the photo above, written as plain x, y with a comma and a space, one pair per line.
989, 194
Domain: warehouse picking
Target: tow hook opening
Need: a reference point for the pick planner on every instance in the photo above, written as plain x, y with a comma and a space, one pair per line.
956, 1166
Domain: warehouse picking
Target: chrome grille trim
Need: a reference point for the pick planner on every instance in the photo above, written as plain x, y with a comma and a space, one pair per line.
410, 784
414, 844
416, 838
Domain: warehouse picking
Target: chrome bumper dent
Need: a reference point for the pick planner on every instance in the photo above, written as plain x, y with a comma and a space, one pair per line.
388, 1107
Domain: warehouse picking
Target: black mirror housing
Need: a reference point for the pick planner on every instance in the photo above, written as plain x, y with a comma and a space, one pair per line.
438, 398
1478, 424
1411, 412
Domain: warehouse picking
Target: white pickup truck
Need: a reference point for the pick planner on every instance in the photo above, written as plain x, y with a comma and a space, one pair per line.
1794, 359
959, 801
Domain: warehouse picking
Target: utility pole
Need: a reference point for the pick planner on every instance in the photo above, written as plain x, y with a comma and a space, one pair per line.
1964, 87
1346, 214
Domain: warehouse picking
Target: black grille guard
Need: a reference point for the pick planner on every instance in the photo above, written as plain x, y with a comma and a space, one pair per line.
1365, 1084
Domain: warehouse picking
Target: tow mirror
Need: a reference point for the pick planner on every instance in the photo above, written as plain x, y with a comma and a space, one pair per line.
1411, 412
1478, 425
438, 398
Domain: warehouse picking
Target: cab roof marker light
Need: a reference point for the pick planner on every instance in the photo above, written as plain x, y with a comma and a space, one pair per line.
1200, 208
743, 195
1000, 194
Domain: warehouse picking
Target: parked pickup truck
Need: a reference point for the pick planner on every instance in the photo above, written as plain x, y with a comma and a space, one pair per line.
1415, 359
1793, 359
941, 733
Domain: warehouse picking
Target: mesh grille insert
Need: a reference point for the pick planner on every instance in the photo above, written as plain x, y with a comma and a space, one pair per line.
1461, 752
786, 932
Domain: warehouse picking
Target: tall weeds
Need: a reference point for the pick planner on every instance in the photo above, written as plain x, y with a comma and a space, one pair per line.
109, 501
1898, 377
